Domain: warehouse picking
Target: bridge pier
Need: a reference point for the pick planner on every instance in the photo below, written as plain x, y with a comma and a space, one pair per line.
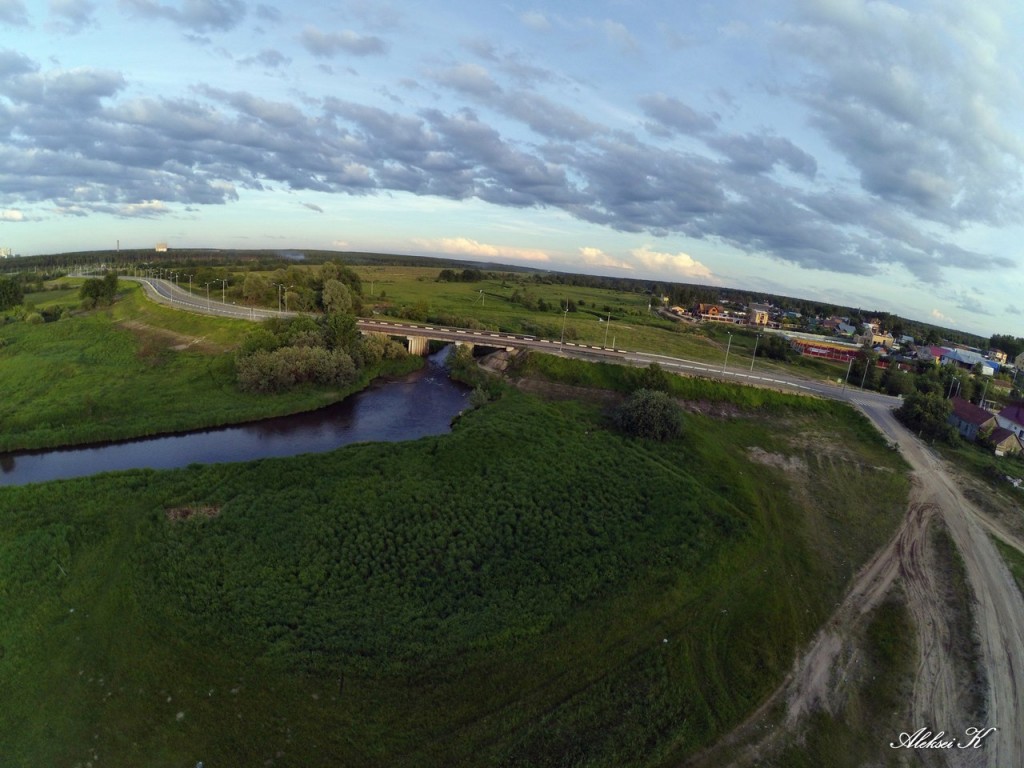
418, 345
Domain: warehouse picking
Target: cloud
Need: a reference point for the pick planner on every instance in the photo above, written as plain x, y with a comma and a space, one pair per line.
13, 13
464, 246
269, 58
268, 13
670, 116
937, 315
678, 264
1013, 309
193, 15
920, 102
72, 16
535, 20
313, 207
595, 257
328, 44
617, 34
11, 215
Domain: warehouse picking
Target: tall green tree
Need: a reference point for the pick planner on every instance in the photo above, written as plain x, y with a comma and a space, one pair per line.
11, 294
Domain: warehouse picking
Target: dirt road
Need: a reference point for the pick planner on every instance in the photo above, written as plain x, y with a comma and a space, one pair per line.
999, 610
939, 700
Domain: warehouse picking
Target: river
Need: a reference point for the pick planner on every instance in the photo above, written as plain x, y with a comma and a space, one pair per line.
420, 404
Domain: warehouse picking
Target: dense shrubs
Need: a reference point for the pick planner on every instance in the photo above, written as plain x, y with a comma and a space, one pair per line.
650, 414
927, 414
328, 351
286, 367
99, 291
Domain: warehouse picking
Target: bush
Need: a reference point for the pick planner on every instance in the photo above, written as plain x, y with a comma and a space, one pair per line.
650, 414
927, 414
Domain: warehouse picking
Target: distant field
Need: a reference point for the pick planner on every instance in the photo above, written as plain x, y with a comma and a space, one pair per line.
135, 369
533, 589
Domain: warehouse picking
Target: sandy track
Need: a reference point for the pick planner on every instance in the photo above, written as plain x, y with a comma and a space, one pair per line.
999, 614
939, 701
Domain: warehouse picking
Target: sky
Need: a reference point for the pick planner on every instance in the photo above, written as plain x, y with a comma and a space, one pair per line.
861, 153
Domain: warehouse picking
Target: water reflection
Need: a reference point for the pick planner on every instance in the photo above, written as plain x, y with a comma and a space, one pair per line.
419, 405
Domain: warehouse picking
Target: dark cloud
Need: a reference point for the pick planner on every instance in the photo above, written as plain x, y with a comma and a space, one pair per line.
268, 13
193, 15
760, 154
313, 207
912, 99
328, 44
671, 116
72, 16
13, 13
269, 58
73, 138
541, 114
13, 63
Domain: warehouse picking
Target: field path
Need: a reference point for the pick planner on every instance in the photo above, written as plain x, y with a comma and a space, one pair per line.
938, 701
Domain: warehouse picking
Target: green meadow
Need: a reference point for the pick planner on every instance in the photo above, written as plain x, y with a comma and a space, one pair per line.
532, 589
130, 370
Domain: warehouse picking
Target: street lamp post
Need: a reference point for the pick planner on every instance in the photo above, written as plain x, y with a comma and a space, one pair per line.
208, 294
608, 325
847, 377
727, 347
753, 357
565, 317
223, 288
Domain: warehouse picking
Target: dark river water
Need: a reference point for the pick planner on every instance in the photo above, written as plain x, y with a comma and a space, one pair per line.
421, 404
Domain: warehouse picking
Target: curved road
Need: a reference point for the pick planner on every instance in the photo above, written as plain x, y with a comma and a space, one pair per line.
999, 609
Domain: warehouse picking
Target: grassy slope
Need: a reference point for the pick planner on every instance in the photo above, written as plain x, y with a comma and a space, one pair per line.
114, 374
632, 326
500, 595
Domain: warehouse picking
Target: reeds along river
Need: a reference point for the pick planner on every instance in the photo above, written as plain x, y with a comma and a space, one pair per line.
420, 404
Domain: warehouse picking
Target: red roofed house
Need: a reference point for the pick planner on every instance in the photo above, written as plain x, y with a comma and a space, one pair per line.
969, 419
1012, 418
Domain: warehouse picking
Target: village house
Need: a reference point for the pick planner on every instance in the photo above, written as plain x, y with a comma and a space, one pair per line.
1012, 418
757, 314
970, 420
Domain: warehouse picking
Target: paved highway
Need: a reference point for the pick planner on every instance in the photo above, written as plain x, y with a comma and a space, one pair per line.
167, 292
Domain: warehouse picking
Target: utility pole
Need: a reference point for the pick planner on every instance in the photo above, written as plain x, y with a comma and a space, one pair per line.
608, 325
727, 347
753, 357
847, 377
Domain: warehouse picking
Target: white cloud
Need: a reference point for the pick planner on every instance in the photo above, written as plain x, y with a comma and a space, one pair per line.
536, 20
595, 257
468, 247
937, 315
680, 264
11, 215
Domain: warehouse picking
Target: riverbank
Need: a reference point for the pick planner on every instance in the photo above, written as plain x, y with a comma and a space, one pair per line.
531, 586
134, 370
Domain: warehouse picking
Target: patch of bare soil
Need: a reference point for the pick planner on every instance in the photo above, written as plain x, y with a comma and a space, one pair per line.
966, 677
150, 336
551, 390
177, 514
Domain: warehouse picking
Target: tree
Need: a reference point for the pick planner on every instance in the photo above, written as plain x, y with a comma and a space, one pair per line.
653, 377
99, 291
11, 294
337, 298
650, 414
927, 414
897, 382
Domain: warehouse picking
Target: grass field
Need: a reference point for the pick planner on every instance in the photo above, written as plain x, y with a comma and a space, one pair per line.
532, 589
134, 369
